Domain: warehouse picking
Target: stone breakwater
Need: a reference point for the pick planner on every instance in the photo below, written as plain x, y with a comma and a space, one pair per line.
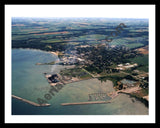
29, 102
83, 103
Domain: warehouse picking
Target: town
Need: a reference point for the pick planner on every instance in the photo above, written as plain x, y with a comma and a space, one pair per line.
105, 65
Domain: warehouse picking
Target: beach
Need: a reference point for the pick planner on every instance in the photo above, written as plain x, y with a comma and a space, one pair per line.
55, 53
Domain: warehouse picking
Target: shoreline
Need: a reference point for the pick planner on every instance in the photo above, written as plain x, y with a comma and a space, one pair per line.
141, 99
54, 53
62, 81
129, 90
51, 52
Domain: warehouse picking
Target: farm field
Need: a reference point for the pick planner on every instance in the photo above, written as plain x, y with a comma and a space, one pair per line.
65, 32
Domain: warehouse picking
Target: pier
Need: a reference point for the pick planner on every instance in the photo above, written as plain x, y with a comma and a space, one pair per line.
83, 103
93, 102
29, 102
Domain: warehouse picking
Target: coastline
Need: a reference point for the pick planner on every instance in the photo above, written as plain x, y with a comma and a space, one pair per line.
54, 53
51, 52
45, 51
141, 99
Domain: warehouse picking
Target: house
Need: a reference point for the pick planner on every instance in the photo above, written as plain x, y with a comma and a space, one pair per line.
120, 65
127, 64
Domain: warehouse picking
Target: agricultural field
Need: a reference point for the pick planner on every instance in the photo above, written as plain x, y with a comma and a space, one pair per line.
60, 33
142, 61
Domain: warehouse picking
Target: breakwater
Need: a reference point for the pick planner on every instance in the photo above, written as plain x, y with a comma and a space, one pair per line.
83, 103
29, 102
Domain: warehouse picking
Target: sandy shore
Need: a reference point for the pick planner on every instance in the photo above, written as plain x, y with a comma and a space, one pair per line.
55, 53
130, 90
146, 97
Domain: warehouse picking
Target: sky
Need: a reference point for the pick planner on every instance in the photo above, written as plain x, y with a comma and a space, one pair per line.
109, 11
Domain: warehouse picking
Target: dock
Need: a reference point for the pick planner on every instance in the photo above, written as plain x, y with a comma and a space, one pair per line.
83, 103
29, 102
93, 102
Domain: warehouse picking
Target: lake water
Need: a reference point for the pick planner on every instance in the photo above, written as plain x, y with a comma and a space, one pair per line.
28, 82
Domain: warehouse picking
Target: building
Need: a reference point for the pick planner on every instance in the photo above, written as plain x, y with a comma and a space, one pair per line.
126, 66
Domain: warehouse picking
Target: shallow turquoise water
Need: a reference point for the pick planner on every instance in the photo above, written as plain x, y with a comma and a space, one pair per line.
29, 83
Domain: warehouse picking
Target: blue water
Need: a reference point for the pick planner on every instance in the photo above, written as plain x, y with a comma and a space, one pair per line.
28, 82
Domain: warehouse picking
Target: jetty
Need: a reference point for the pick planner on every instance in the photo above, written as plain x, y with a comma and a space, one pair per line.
29, 102
113, 95
83, 103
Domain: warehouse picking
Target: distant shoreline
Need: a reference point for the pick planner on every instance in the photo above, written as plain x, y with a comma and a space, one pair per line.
55, 53
51, 52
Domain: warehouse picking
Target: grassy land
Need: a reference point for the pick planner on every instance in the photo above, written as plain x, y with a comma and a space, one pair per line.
51, 41
142, 61
142, 92
75, 72
39, 32
114, 78
134, 45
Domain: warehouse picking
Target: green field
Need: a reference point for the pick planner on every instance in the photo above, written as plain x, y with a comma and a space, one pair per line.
76, 72
143, 61
59, 32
